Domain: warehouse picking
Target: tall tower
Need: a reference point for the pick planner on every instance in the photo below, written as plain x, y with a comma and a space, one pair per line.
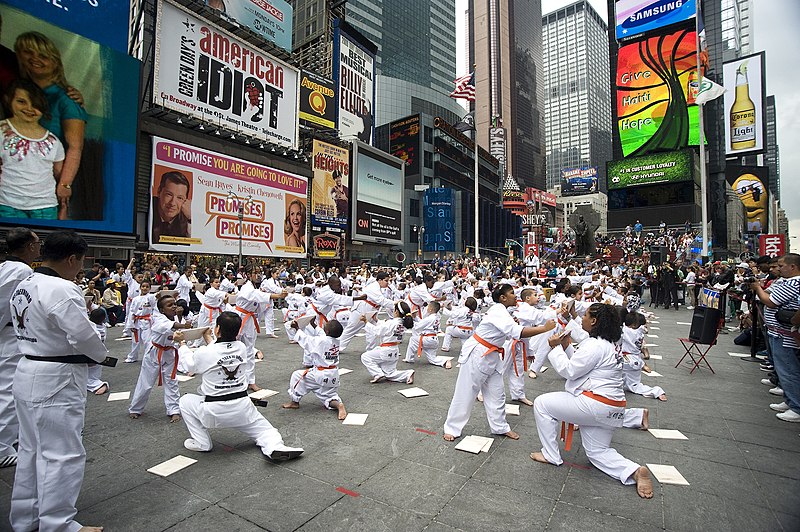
577, 105
505, 44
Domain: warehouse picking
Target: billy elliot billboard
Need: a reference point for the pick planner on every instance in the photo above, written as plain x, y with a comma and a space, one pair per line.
577, 181
209, 74
354, 70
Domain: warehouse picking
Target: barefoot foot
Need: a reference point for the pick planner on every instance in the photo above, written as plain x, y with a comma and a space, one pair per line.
524, 401
511, 435
103, 389
90, 529
644, 484
532, 374
448, 364
174, 418
448, 437
480, 397
291, 405
410, 379
377, 379
134, 416
662, 397
645, 420
342, 411
539, 457
254, 387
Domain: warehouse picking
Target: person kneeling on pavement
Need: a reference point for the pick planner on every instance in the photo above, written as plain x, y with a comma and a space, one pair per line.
223, 401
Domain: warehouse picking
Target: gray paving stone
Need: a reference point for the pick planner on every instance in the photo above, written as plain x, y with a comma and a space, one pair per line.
569, 517
781, 493
362, 514
215, 518
775, 461
692, 510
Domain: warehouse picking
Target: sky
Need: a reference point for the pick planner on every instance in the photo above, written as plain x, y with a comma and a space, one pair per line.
775, 31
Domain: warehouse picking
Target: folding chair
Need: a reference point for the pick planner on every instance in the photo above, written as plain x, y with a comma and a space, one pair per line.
696, 353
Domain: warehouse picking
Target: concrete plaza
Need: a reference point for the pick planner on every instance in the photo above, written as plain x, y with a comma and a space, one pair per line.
396, 472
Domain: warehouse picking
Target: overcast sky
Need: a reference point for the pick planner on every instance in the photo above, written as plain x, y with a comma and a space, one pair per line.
776, 24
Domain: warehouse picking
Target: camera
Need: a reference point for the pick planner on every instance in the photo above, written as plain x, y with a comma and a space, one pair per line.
749, 280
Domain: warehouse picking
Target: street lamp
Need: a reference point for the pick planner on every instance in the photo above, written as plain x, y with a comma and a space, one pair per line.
241, 205
419, 243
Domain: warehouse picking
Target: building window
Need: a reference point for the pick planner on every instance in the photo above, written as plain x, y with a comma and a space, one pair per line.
413, 207
428, 159
428, 132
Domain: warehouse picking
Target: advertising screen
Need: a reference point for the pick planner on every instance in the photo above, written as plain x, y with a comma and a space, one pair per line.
272, 19
90, 147
634, 17
378, 193
655, 110
440, 231
577, 181
751, 184
317, 100
211, 75
667, 167
193, 210
330, 191
404, 142
744, 105
354, 71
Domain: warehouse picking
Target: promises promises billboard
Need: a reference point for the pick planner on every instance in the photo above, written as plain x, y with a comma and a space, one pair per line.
667, 167
744, 105
354, 70
378, 193
272, 19
634, 17
652, 94
193, 211
209, 74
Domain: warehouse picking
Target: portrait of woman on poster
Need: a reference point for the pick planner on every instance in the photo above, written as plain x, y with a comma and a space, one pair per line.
40, 62
339, 194
294, 226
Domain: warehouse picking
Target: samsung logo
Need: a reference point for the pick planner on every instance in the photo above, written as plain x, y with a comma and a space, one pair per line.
655, 11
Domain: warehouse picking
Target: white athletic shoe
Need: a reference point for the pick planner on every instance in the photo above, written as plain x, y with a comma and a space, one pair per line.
776, 391
790, 415
192, 445
779, 407
767, 382
283, 453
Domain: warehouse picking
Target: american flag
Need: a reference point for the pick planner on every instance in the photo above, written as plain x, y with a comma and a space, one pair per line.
465, 87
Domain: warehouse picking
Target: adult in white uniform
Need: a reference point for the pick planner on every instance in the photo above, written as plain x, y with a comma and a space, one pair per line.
223, 400
272, 286
185, 285
376, 300
483, 362
23, 248
531, 264
57, 341
328, 298
247, 303
593, 398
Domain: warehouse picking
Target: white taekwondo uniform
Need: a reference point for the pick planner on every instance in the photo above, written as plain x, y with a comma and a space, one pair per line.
95, 375
141, 313
483, 362
247, 304
322, 374
184, 288
425, 339
50, 322
297, 305
270, 286
461, 322
632, 364
376, 301
12, 271
223, 400
159, 365
382, 360
594, 399
418, 297
325, 301
213, 301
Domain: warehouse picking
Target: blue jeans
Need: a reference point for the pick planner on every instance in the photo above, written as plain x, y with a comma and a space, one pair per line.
787, 367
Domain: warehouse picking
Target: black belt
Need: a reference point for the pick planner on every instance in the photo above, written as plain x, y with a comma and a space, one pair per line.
226, 397
9, 324
68, 359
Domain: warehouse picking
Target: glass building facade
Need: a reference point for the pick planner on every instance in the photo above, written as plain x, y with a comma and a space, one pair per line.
577, 103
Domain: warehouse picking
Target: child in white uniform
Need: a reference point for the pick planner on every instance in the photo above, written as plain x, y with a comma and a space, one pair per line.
140, 312
461, 322
94, 383
381, 362
425, 339
527, 316
632, 339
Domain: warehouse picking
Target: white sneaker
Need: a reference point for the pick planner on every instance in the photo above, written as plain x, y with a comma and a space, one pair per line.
192, 445
283, 453
767, 382
776, 391
779, 407
790, 415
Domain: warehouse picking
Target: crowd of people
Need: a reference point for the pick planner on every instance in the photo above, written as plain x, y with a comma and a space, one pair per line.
588, 318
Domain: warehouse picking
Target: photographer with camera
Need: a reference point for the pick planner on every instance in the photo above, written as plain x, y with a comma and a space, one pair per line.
780, 305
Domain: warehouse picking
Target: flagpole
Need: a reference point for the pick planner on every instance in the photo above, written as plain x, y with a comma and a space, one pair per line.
703, 183
477, 164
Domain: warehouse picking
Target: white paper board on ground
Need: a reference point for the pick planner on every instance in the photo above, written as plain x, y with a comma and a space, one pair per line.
263, 394
183, 378
413, 392
682, 323
475, 444
652, 336
119, 396
667, 434
667, 474
652, 374
512, 410
344, 371
355, 419
651, 345
656, 357
655, 328
171, 466
740, 355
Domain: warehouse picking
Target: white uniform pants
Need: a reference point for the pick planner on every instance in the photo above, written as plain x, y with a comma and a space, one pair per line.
239, 414
539, 348
636, 386
382, 362
516, 379
148, 377
354, 325
9, 426
248, 338
140, 338
430, 348
269, 321
478, 375
51, 402
324, 384
454, 332
633, 418
597, 428
95, 380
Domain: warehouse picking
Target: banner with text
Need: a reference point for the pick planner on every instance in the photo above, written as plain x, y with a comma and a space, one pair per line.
378, 195
209, 74
634, 17
404, 142
272, 19
194, 208
330, 189
440, 231
667, 167
317, 100
354, 71
577, 181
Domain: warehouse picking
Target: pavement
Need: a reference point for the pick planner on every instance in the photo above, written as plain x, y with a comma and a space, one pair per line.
396, 473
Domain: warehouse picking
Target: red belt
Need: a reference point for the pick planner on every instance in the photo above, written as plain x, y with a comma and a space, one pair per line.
161, 350
211, 312
146, 317
568, 429
374, 305
421, 336
248, 315
514, 344
492, 348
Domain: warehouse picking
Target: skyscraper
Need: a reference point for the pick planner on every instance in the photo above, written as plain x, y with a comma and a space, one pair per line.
505, 44
577, 104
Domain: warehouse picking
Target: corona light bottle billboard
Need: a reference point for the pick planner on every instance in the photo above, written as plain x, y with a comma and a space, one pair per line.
743, 113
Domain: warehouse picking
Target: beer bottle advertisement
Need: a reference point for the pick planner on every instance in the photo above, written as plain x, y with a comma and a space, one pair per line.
744, 96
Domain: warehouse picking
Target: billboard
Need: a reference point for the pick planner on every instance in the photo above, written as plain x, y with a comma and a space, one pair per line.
272, 19
654, 109
404, 142
743, 80
317, 100
327, 246
772, 245
497, 147
666, 167
98, 138
751, 184
378, 195
440, 231
354, 71
577, 181
192, 210
211, 75
634, 17
330, 191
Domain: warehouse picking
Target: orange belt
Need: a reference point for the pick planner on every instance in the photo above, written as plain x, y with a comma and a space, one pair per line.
135, 335
321, 368
463, 327
514, 344
421, 336
492, 348
389, 344
247, 316
145, 317
211, 312
161, 350
415, 308
568, 429
374, 305
322, 318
